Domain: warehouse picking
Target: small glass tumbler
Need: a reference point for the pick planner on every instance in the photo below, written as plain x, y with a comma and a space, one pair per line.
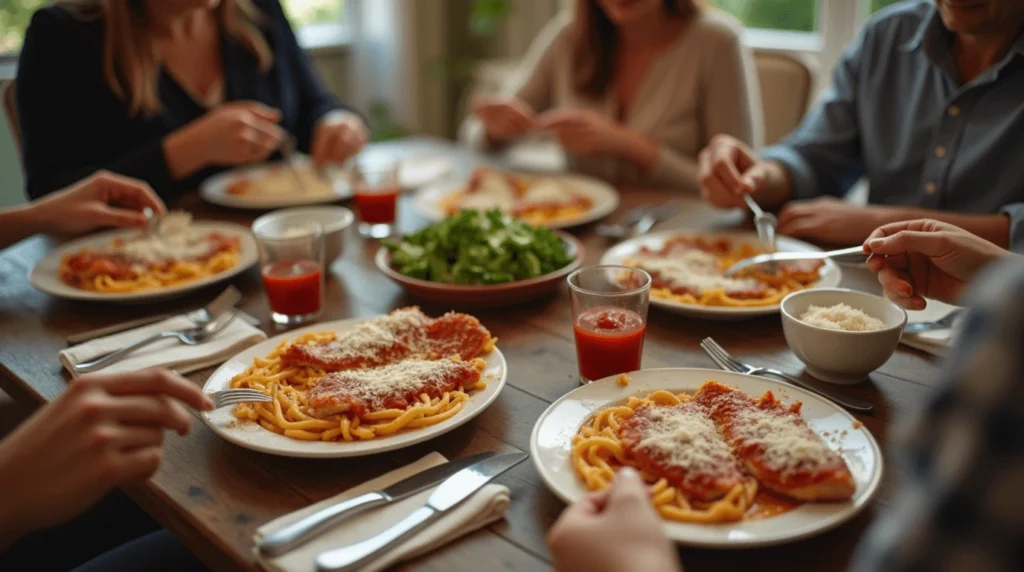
291, 264
376, 190
609, 318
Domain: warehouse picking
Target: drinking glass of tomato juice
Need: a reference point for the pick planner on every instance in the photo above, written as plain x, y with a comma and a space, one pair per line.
609, 317
291, 263
376, 191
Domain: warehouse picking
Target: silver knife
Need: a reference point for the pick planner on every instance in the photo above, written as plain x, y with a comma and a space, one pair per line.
854, 254
305, 529
453, 491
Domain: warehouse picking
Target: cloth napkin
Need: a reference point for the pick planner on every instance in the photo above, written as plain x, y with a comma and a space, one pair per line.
170, 352
935, 342
486, 506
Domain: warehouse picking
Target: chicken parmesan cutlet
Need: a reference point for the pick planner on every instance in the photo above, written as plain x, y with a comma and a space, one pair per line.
395, 386
775, 444
685, 266
404, 333
681, 444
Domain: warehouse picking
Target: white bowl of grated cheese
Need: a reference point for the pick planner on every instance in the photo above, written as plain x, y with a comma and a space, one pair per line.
333, 220
841, 335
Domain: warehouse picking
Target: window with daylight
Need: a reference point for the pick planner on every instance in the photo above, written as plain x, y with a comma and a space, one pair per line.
14, 18
782, 15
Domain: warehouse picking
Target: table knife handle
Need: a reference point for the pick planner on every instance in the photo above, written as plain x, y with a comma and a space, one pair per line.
355, 556
305, 529
116, 355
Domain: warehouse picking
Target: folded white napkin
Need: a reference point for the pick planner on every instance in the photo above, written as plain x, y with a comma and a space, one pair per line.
170, 352
935, 342
486, 506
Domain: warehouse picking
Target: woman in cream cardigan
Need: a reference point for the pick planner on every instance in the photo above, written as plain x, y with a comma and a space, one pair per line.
632, 90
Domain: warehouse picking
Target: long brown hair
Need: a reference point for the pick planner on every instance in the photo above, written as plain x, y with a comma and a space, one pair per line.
596, 42
131, 66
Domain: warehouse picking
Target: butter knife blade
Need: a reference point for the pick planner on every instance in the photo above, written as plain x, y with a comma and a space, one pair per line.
449, 494
307, 528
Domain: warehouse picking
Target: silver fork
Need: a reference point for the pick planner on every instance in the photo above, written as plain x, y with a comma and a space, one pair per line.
234, 396
944, 323
765, 224
188, 336
728, 363
226, 300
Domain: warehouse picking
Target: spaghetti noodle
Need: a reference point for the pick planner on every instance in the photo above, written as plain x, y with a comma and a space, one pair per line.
689, 270
698, 471
331, 401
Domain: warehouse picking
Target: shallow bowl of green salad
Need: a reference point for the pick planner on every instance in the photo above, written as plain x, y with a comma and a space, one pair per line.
474, 260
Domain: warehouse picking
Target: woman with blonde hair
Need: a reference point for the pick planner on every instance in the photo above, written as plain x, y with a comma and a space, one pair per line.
170, 92
632, 89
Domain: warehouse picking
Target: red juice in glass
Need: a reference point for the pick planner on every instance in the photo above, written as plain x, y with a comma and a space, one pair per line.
293, 287
377, 206
609, 341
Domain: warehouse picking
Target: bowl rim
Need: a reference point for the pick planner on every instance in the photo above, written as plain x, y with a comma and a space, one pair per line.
383, 260
347, 217
785, 312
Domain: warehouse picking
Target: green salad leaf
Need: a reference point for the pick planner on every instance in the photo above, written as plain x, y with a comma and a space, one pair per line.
479, 248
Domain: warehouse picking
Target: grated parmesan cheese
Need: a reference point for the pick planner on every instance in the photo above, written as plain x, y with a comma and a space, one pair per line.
685, 437
786, 443
693, 269
175, 240
547, 192
372, 386
370, 337
841, 317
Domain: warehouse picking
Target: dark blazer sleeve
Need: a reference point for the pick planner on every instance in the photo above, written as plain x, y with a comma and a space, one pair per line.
70, 120
315, 100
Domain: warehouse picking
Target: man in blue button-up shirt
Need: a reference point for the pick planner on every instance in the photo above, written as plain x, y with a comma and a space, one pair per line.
928, 104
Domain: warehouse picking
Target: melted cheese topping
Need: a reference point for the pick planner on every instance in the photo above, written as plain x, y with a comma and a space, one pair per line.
786, 443
841, 317
684, 436
492, 190
693, 269
371, 337
175, 239
373, 386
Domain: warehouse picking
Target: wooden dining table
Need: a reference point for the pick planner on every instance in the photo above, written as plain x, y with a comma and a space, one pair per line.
213, 495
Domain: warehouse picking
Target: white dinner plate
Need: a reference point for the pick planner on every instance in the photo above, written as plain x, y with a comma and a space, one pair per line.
215, 189
605, 198
253, 436
45, 275
831, 275
551, 450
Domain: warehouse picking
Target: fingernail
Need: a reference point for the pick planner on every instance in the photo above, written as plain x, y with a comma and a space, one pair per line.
874, 243
208, 404
629, 473
906, 292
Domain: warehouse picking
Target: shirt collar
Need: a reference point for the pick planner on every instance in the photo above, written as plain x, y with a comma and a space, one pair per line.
925, 30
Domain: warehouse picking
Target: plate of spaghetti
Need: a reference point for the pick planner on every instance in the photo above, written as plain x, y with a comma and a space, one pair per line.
132, 265
362, 386
733, 461
275, 185
687, 272
553, 201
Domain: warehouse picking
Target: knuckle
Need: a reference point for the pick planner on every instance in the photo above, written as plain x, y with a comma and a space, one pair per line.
90, 409
99, 438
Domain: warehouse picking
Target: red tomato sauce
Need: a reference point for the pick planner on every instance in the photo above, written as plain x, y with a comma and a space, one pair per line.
293, 286
377, 207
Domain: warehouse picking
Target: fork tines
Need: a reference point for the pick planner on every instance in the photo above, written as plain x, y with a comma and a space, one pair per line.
234, 396
718, 354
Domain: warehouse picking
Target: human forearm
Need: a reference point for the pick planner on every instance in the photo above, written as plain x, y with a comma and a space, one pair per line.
994, 228
18, 223
637, 148
184, 158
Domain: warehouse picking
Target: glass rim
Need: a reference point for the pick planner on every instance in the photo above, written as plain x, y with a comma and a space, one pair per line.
637, 290
315, 232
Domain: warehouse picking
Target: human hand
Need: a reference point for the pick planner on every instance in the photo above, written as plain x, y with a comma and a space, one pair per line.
927, 258
338, 136
104, 431
614, 530
830, 220
232, 134
583, 132
728, 169
504, 118
100, 200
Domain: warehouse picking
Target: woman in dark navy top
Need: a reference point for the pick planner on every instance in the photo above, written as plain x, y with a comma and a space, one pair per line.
169, 91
